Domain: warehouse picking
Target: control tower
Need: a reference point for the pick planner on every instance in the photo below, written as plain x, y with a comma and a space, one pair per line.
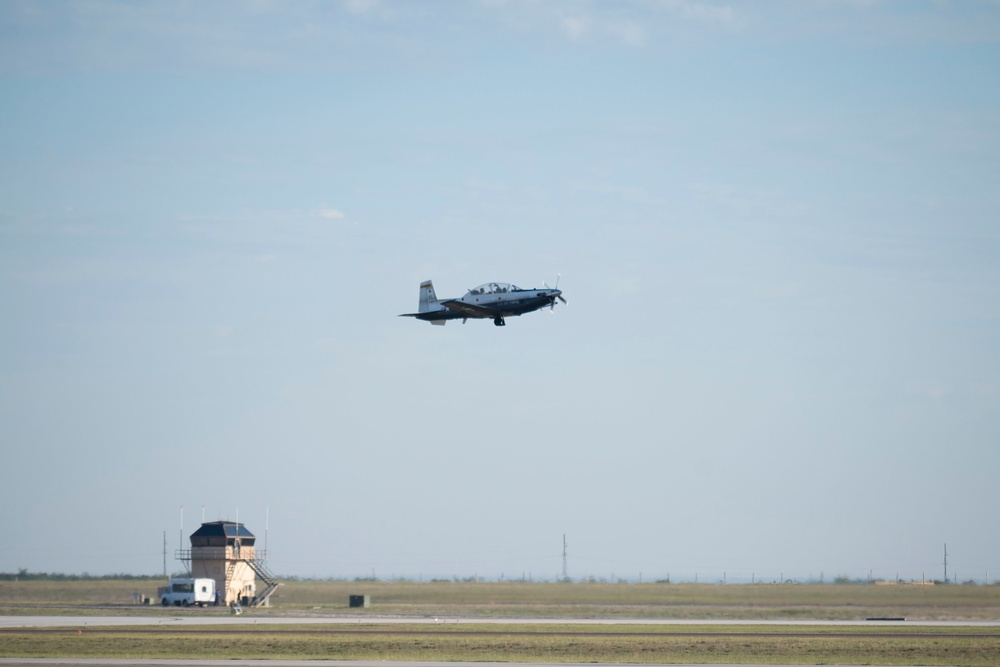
226, 552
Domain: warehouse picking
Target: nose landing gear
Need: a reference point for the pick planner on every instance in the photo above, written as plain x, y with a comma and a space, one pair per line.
498, 321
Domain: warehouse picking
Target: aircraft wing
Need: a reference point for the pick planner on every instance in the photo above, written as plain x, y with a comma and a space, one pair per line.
468, 309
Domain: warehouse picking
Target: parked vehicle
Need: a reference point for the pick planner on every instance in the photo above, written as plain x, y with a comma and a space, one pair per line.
184, 592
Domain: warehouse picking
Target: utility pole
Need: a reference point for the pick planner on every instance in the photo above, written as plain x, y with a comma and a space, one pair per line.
565, 571
164, 554
946, 562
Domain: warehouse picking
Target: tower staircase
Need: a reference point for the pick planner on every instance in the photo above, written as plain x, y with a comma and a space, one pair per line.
259, 566
271, 583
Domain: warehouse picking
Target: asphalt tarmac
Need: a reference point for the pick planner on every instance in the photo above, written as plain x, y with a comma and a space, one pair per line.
195, 618
41, 622
75, 662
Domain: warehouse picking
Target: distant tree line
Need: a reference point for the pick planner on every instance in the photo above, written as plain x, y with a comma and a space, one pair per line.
24, 575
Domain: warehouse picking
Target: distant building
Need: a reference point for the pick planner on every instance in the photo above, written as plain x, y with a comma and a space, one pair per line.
226, 552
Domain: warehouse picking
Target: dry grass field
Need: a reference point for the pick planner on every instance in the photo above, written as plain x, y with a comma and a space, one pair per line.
655, 601
551, 600
519, 643
901, 644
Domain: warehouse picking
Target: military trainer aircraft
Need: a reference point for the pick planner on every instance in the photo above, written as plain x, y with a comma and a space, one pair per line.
488, 301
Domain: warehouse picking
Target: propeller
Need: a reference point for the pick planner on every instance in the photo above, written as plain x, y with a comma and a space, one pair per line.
555, 296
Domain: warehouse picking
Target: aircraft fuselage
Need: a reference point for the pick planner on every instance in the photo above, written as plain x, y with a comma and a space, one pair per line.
488, 301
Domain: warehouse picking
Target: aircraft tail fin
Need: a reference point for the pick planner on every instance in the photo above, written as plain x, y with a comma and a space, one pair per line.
430, 309
428, 299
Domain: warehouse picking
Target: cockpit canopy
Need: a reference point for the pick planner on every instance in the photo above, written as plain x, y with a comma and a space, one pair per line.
494, 288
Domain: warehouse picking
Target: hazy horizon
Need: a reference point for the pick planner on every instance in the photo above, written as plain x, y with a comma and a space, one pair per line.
776, 227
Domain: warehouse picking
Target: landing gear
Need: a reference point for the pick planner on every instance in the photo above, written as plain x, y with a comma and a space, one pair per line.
498, 321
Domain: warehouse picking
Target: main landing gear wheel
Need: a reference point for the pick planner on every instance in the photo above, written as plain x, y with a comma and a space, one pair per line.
499, 321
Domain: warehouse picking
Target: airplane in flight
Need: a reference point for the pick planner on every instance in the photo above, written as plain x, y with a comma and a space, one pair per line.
493, 301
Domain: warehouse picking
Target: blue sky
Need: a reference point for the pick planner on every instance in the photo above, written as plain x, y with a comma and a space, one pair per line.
775, 223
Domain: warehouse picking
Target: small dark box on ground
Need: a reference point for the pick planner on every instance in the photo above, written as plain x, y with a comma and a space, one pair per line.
360, 601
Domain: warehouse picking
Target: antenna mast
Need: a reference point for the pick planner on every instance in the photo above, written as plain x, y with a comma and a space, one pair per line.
180, 538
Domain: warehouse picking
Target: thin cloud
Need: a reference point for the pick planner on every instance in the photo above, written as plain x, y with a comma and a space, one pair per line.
930, 389
629, 32
700, 10
621, 284
360, 7
331, 214
630, 193
634, 24
576, 27
478, 186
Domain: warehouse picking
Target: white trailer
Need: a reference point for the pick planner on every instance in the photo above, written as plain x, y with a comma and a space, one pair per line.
189, 591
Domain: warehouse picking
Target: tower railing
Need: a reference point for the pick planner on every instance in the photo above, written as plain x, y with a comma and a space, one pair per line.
215, 553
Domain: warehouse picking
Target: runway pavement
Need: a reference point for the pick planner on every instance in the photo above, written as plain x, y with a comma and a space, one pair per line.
78, 662
196, 618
